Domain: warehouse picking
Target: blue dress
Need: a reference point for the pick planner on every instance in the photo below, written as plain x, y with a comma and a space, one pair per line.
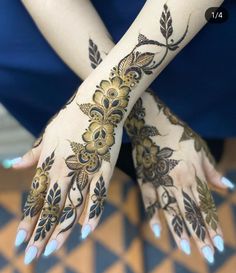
199, 85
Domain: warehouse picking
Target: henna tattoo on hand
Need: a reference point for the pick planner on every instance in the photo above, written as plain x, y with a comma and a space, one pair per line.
108, 108
50, 213
38, 190
207, 204
98, 199
194, 217
188, 133
153, 164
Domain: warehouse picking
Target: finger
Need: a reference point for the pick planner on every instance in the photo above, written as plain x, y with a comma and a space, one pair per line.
174, 219
74, 206
35, 199
214, 177
30, 158
49, 216
97, 197
152, 206
205, 202
195, 223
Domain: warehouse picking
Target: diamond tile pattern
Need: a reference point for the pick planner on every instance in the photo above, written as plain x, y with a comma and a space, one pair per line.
122, 243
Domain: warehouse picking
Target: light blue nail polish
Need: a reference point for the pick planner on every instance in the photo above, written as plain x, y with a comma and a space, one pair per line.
156, 230
208, 254
85, 231
20, 237
30, 254
227, 183
7, 163
50, 248
219, 243
185, 246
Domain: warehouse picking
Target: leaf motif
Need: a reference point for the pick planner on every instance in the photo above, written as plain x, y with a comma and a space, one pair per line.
85, 108
142, 38
166, 181
207, 204
83, 180
165, 153
66, 213
177, 223
143, 59
107, 157
94, 54
125, 63
150, 210
72, 163
166, 23
194, 217
149, 131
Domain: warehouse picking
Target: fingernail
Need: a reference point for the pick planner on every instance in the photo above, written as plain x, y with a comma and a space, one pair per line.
156, 230
50, 248
185, 246
8, 163
208, 254
30, 254
85, 231
218, 242
20, 237
227, 183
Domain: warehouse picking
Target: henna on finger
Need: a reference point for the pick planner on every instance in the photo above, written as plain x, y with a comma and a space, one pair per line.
37, 194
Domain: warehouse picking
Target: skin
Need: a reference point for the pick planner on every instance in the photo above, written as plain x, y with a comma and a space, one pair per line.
68, 141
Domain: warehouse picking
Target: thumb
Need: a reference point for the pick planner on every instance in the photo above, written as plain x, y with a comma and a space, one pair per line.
30, 158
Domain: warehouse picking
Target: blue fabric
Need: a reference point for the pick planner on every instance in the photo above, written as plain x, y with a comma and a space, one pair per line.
199, 85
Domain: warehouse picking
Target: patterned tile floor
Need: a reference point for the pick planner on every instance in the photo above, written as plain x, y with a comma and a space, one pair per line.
122, 243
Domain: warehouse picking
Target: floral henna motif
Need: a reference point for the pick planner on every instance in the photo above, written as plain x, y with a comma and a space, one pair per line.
153, 164
35, 199
107, 110
207, 204
50, 213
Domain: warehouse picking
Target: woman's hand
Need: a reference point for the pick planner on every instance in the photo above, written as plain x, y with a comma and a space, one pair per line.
78, 152
174, 168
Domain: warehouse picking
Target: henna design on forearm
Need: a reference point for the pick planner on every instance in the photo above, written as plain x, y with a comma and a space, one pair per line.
108, 108
37, 194
94, 54
50, 212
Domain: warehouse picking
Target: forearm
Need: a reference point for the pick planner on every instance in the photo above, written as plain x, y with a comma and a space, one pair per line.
79, 29
138, 63
68, 25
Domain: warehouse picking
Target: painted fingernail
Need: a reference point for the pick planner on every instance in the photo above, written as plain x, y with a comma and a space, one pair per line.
227, 183
50, 248
30, 254
185, 246
218, 242
156, 230
8, 163
86, 230
208, 254
20, 237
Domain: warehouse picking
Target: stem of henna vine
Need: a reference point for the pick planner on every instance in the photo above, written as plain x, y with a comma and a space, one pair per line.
106, 111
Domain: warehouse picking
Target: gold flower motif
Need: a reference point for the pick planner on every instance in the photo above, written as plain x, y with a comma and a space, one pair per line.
146, 153
112, 93
99, 138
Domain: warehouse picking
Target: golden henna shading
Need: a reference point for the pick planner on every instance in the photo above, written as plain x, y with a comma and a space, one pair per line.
108, 107
37, 194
